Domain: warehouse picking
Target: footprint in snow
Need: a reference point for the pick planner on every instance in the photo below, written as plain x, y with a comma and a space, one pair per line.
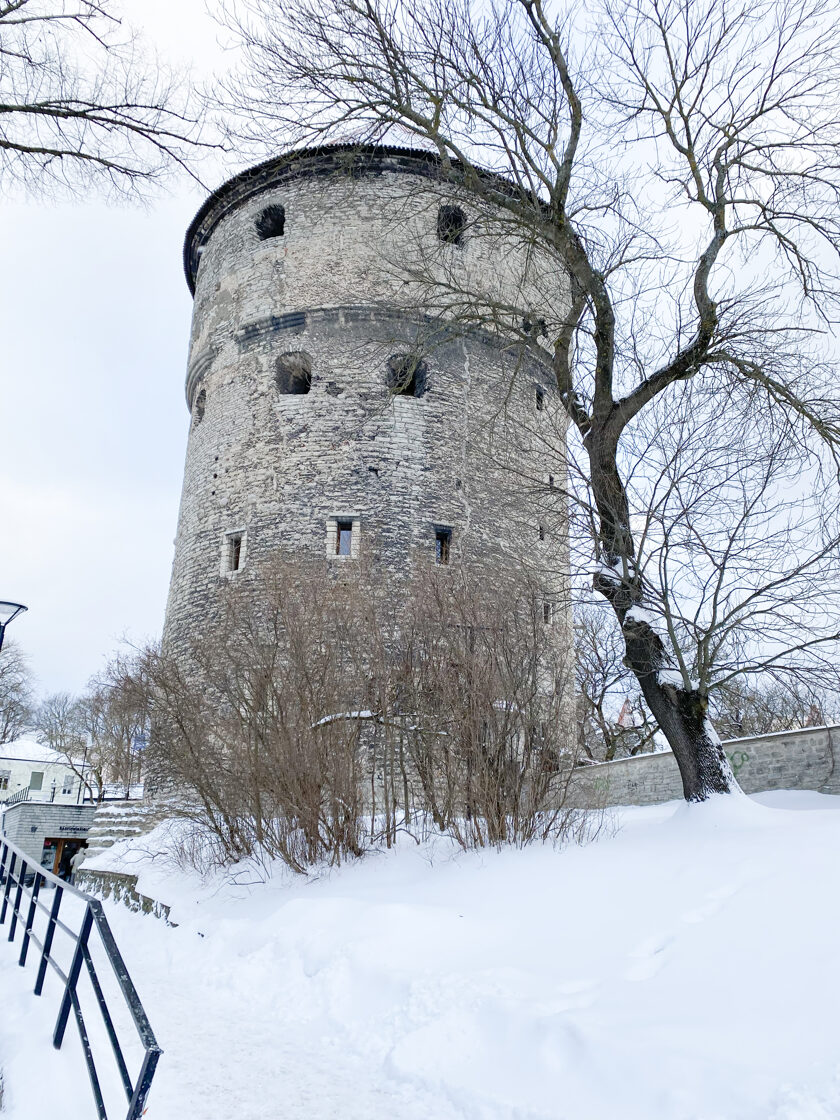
648, 958
714, 901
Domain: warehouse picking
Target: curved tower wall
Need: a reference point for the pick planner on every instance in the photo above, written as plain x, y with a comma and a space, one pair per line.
338, 291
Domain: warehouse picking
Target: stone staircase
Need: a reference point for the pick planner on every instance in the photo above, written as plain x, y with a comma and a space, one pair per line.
115, 821
120, 820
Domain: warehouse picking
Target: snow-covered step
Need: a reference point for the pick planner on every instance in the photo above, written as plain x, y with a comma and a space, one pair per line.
120, 820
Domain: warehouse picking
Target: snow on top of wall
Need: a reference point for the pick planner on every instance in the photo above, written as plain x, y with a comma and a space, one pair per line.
779, 734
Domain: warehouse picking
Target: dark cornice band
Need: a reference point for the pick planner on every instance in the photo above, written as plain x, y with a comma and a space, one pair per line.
347, 159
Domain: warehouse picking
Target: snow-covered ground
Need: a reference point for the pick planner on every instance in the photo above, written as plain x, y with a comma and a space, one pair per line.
686, 965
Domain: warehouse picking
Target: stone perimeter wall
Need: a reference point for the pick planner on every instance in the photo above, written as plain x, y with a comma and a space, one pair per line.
806, 759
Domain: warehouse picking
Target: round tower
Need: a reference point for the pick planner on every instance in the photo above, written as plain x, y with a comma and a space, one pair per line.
338, 408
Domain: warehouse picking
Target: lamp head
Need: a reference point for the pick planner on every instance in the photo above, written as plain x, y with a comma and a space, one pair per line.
8, 611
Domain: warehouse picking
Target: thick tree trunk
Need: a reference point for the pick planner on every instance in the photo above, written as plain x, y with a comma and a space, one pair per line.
680, 712
683, 719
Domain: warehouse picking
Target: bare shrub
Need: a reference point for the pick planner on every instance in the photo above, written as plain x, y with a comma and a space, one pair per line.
485, 691
242, 720
318, 718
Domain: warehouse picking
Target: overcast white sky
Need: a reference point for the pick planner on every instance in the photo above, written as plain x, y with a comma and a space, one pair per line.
95, 321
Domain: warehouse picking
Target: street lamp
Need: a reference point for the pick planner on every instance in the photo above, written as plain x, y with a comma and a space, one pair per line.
8, 611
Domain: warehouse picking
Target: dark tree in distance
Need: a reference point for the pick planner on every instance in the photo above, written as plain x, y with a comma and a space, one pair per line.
611, 719
678, 157
16, 700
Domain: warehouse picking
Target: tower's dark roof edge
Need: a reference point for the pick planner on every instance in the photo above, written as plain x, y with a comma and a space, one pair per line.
308, 161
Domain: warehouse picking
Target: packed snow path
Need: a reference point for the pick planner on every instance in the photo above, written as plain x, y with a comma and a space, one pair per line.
687, 966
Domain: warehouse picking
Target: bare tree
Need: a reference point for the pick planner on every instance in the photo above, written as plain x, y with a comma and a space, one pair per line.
16, 700
97, 733
761, 707
114, 714
81, 103
60, 724
741, 537
612, 720
740, 531
677, 159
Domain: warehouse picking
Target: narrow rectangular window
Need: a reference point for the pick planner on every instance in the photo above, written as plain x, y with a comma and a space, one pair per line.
5, 775
540, 398
67, 786
547, 613
551, 482
234, 552
443, 539
542, 532
343, 538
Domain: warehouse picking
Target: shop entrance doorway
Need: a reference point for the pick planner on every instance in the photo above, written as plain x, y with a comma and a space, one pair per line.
57, 854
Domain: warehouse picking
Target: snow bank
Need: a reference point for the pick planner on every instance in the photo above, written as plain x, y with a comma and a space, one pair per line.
686, 968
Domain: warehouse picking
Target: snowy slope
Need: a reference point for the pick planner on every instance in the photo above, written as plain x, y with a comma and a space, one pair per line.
687, 966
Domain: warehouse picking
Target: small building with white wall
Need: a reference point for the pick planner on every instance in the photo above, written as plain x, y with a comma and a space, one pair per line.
31, 771
49, 833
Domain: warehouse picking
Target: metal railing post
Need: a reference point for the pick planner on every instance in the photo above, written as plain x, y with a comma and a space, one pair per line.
30, 919
48, 940
72, 979
7, 888
144, 1083
16, 907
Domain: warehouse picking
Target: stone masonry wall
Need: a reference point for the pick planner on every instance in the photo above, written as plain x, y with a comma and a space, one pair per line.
806, 759
28, 824
476, 453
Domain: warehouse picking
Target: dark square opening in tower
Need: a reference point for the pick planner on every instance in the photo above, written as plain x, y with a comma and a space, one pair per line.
344, 538
293, 373
234, 552
407, 375
443, 540
271, 222
451, 224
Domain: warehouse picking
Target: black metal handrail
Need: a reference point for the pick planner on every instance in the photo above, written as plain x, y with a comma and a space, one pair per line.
21, 878
13, 799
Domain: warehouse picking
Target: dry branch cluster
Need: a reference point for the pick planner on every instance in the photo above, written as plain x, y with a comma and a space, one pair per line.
82, 102
317, 718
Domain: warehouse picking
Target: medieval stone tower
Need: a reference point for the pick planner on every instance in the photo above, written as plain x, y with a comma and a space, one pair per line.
338, 409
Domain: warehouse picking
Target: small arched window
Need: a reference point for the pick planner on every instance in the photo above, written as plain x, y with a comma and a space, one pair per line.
293, 373
271, 222
451, 225
199, 404
407, 375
